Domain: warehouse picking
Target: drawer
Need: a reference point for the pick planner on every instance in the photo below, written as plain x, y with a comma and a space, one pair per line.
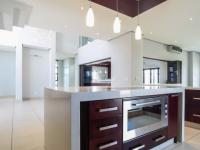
105, 109
158, 137
194, 115
137, 144
192, 97
106, 127
112, 142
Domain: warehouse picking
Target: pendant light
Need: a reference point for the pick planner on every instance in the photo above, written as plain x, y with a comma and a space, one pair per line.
117, 21
90, 16
138, 31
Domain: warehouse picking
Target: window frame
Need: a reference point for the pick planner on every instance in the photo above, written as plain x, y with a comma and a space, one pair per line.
155, 68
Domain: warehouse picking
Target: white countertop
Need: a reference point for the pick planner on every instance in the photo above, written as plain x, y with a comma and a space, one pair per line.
107, 92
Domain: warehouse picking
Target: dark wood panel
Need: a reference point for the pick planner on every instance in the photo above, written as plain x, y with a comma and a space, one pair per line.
143, 141
95, 144
194, 115
159, 137
97, 128
129, 7
192, 105
95, 108
84, 125
173, 115
148, 141
92, 120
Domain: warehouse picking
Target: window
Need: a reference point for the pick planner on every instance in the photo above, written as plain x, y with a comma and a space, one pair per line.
151, 76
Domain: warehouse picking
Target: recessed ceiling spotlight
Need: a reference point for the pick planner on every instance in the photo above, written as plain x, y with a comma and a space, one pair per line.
176, 41
82, 8
190, 18
151, 32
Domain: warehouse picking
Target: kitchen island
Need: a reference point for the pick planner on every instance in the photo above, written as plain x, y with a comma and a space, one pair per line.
97, 118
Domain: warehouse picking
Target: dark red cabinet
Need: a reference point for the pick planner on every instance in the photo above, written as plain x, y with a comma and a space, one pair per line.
101, 125
173, 108
192, 105
148, 141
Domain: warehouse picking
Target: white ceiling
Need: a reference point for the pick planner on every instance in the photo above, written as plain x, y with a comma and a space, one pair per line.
169, 22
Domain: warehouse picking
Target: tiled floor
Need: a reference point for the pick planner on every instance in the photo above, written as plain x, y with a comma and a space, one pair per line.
22, 127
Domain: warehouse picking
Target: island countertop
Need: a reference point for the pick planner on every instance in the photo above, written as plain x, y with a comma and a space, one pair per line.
62, 109
107, 92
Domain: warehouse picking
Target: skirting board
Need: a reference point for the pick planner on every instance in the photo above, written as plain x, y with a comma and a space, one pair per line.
6, 97
192, 125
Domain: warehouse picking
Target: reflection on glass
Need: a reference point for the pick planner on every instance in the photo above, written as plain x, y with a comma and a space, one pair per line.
142, 117
99, 74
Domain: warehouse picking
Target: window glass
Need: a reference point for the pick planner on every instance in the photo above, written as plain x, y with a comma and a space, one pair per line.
151, 76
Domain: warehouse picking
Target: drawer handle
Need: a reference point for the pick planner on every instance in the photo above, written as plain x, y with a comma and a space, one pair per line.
175, 95
196, 115
108, 145
139, 147
160, 139
108, 127
108, 109
196, 98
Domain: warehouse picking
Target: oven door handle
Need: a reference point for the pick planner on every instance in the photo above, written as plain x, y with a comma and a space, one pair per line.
147, 103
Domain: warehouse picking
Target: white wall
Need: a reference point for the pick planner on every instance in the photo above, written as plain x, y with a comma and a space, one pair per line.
159, 51
194, 69
126, 58
126, 61
94, 51
7, 73
162, 65
34, 37
7, 38
35, 72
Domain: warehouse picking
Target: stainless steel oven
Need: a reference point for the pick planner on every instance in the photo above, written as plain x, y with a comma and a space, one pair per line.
141, 116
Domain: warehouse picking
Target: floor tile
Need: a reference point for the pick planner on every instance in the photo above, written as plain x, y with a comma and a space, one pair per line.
26, 127
190, 132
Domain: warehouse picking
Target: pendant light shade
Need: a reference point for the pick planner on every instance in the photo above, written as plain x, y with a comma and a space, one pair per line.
138, 33
138, 30
90, 17
117, 25
117, 21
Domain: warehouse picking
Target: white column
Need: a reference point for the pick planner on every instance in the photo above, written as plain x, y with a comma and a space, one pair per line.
19, 55
52, 58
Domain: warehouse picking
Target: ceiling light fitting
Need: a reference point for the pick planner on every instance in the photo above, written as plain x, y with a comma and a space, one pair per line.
138, 31
90, 16
117, 21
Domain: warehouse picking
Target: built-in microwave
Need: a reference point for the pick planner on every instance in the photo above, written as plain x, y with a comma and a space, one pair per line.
144, 115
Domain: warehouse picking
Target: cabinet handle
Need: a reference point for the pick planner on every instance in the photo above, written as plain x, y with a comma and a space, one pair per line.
108, 127
139, 147
196, 115
196, 98
175, 95
108, 109
108, 145
160, 139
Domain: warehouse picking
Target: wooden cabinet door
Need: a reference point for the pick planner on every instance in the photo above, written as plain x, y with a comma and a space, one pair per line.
173, 115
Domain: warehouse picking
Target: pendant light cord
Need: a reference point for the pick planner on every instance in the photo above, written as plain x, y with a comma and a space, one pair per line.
90, 3
138, 11
117, 6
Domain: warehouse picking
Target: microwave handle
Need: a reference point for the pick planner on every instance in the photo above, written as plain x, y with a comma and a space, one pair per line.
148, 103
